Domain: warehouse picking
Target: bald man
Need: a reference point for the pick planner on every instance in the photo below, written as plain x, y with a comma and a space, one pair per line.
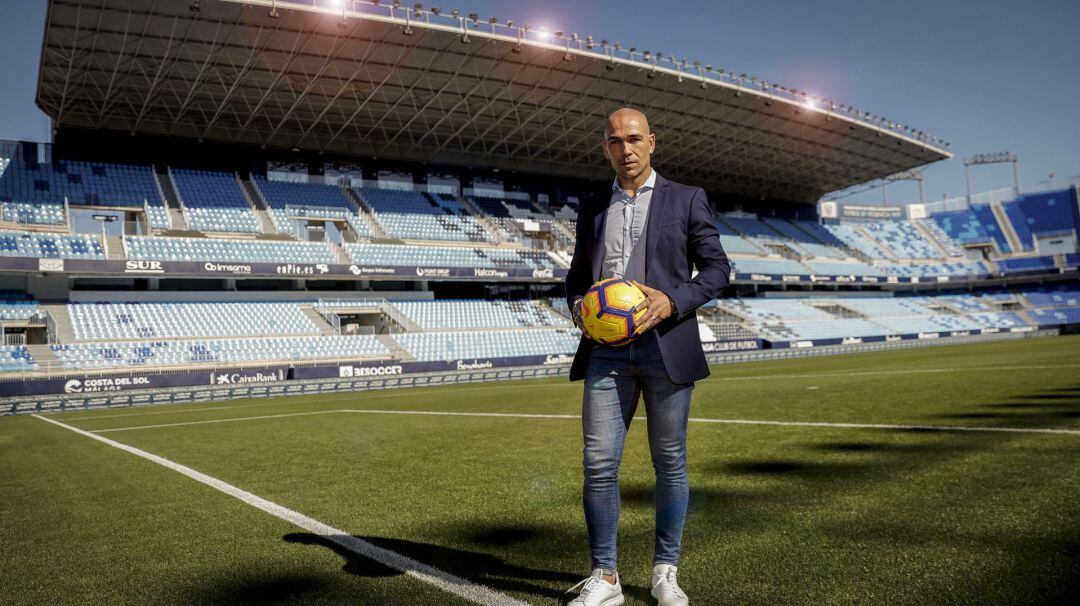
654, 232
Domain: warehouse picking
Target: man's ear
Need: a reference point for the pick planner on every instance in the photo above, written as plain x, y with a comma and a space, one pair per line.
603, 146
652, 142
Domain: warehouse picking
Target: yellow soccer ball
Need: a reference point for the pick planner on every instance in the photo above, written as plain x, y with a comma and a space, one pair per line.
607, 311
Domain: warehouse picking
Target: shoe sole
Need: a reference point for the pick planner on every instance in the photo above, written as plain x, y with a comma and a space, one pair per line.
655, 598
615, 601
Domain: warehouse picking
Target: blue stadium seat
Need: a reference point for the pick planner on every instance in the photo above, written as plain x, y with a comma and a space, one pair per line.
462, 314
49, 246
431, 346
1028, 264
903, 239
122, 354
80, 183
107, 321
213, 201
16, 358
158, 248
976, 225
448, 256
421, 216
1044, 213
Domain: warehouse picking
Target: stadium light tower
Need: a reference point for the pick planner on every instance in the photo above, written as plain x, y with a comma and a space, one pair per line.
907, 175
991, 158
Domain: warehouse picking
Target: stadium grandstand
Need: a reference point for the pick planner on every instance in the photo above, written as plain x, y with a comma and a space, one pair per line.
282, 318
406, 205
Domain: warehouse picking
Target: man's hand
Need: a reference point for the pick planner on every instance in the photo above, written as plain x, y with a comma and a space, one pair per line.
657, 306
576, 313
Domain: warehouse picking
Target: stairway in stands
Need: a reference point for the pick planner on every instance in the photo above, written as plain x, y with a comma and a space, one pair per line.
497, 234
60, 317
1006, 227
258, 206
172, 202
365, 212
44, 356
115, 246
396, 350
317, 318
931, 237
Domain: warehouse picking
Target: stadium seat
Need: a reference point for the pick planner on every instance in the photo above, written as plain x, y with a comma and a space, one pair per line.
1026, 265
854, 239
770, 266
49, 246
215, 351
461, 314
430, 346
80, 183
423, 216
288, 201
15, 358
446, 256
26, 213
17, 305
213, 201
976, 225
903, 239
115, 321
158, 248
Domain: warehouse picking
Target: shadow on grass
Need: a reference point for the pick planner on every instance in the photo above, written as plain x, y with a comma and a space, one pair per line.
871, 447
643, 494
478, 567
841, 467
822, 471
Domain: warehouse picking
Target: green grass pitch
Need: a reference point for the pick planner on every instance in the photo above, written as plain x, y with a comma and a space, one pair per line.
779, 514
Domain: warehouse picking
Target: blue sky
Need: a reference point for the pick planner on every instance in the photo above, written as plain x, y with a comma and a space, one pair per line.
985, 75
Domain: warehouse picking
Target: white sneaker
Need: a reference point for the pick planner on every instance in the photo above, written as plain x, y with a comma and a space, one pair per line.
595, 591
665, 586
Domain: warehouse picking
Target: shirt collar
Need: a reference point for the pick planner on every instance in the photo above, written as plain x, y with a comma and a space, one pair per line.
649, 184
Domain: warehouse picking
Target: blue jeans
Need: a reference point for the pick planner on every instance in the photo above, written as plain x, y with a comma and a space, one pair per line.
615, 379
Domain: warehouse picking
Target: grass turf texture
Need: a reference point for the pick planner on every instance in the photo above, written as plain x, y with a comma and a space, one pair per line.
779, 514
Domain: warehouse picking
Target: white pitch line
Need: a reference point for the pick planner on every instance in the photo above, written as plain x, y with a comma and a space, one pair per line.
900, 427
92, 417
896, 371
212, 421
438, 413
478, 594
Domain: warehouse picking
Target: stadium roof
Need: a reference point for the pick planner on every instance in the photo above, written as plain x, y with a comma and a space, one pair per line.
375, 81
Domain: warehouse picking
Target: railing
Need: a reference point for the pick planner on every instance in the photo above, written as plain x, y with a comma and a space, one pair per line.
318, 212
50, 328
57, 370
207, 393
330, 306
11, 338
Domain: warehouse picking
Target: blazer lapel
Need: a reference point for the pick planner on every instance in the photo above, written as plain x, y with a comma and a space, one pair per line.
596, 252
657, 207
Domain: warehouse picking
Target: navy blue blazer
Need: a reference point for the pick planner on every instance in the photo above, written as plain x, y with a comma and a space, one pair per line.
681, 235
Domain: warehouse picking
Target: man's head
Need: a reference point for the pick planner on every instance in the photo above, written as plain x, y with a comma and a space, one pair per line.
628, 143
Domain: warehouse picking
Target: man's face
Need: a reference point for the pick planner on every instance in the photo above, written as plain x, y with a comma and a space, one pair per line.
628, 144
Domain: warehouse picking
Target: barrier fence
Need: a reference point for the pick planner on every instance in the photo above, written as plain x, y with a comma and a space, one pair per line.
283, 381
